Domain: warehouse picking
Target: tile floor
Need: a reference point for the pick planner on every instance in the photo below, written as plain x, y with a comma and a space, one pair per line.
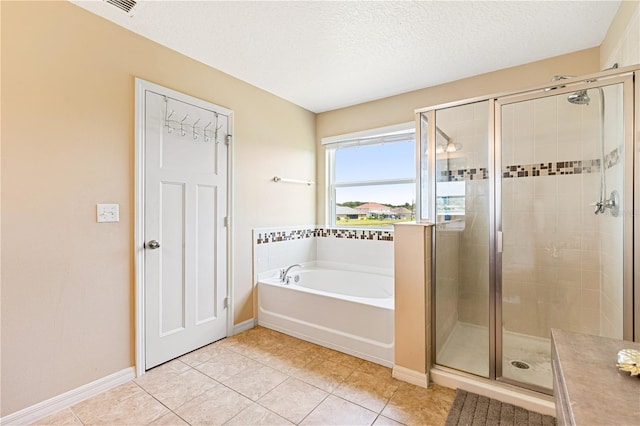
262, 377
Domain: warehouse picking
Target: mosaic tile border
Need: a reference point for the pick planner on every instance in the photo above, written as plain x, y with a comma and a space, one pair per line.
552, 169
267, 237
540, 169
459, 175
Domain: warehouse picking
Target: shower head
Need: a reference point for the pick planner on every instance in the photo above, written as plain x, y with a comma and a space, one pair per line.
579, 98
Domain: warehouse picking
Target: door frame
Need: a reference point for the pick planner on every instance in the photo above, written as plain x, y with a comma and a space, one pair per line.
139, 220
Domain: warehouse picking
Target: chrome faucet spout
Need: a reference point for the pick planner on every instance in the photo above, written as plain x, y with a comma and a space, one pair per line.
285, 271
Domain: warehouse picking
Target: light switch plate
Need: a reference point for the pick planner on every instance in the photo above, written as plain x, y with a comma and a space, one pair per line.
108, 212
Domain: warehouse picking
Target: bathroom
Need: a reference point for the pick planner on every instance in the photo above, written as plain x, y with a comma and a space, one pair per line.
563, 269
562, 263
86, 307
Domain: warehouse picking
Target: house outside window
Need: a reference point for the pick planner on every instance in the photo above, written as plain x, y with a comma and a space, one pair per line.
371, 177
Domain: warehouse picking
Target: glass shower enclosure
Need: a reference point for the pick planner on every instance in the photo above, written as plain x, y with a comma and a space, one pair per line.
531, 196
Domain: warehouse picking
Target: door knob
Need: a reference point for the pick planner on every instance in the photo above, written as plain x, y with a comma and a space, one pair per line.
153, 244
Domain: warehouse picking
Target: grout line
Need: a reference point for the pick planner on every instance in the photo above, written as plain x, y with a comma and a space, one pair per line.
76, 416
314, 408
156, 399
163, 404
252, 353
390, 398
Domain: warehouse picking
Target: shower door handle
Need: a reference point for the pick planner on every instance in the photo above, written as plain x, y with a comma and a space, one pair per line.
499, 241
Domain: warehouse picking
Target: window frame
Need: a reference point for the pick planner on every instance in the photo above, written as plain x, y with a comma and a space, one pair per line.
390, 134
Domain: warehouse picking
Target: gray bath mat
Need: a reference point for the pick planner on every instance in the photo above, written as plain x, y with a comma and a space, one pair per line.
475, 410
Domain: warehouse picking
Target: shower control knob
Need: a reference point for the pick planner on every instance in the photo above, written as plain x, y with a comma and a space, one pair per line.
153, 244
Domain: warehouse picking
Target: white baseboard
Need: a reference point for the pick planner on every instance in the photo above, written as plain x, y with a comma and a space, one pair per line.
244, 326
53, 405
410, 376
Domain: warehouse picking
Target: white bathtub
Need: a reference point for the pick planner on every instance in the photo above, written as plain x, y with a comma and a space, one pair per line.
350, 311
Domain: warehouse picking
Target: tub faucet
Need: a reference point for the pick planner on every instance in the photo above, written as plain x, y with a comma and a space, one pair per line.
285, 271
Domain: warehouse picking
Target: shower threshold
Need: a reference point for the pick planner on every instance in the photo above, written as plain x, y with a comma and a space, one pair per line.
504, 392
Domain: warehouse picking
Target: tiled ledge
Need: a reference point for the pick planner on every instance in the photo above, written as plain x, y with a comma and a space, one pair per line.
267, 236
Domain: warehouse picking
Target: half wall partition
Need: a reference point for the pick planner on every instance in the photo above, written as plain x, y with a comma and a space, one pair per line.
532, 197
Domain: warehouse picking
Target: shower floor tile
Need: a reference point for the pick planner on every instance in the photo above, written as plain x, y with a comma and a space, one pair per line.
534, 352
467, 349
247, 379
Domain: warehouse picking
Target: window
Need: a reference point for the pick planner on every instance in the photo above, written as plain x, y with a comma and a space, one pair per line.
371, 179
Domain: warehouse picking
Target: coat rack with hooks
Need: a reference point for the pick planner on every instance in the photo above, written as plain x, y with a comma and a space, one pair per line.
209, 132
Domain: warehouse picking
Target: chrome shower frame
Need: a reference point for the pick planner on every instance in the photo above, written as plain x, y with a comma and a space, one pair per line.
630, 194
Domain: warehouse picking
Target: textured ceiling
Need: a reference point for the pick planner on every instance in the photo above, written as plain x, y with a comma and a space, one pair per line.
324, 55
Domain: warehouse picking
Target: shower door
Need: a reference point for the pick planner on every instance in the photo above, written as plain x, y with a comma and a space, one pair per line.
462, 238
565, 173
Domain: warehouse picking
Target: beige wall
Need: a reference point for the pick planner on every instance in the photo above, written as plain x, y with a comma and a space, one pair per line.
622, 43
400, 108
67, 144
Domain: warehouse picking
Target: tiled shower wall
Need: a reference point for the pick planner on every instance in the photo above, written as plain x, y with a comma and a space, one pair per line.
561, 262
448, 282
625, 51
551, 259
275, 248
473, 305
611, 235
611, 303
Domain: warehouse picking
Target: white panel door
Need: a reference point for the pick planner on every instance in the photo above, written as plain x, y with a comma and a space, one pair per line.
184, 225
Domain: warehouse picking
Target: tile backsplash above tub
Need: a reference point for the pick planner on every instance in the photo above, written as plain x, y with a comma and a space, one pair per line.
275, 248
266, 236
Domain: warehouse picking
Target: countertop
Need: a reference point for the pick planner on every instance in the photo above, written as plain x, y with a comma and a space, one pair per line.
596, 391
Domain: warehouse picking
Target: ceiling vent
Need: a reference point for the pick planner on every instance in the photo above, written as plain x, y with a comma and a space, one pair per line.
125, 5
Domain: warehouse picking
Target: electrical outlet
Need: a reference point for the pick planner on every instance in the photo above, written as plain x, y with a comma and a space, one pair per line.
108, 212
